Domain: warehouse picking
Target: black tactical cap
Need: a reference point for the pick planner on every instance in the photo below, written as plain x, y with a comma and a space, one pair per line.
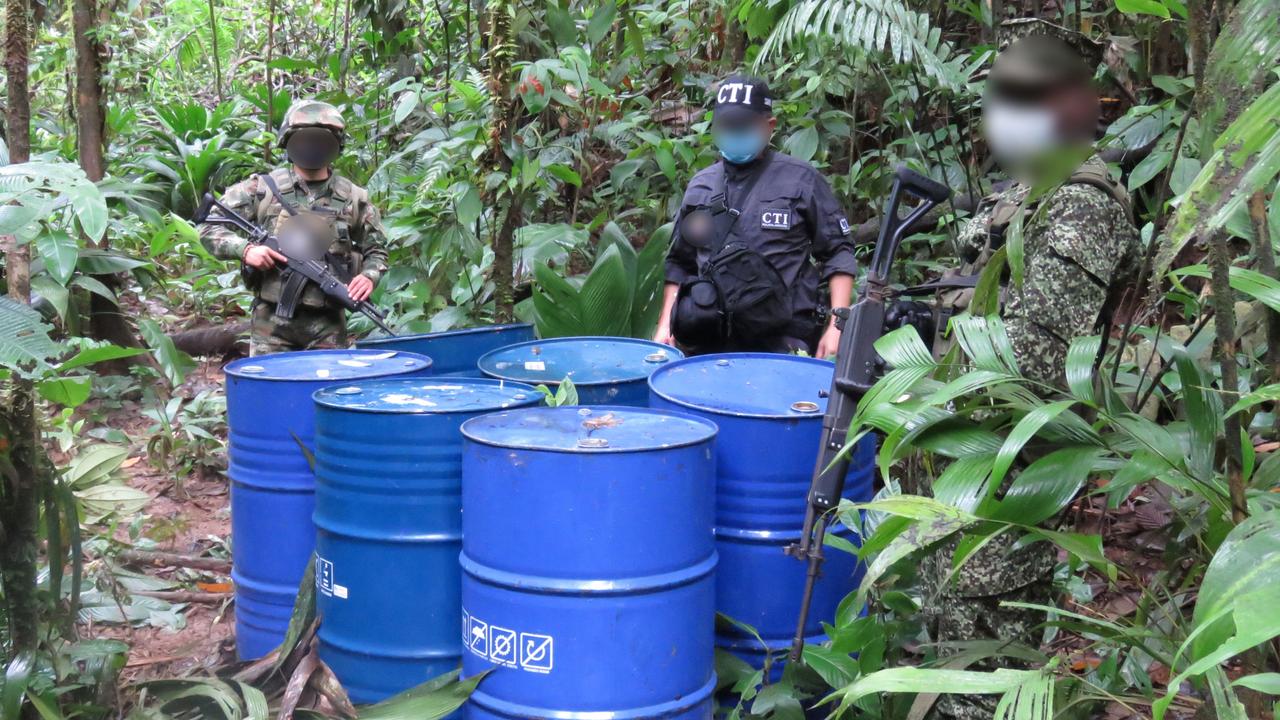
742, 99
1036, 64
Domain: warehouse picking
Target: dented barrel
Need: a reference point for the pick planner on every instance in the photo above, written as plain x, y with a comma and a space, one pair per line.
270, 414
389, 525
769, 409
455, 352
588, 563
605, 370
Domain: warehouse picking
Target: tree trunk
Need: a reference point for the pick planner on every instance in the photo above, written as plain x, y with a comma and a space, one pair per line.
19, 493
106, 321
17, 49
90, 109
501, 52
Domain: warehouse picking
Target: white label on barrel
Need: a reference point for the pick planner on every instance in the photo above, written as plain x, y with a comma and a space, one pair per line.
324, 576
535, 365
340, 592
531, 652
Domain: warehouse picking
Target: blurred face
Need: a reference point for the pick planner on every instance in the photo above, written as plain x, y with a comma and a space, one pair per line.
742, 138
1026, 129
312, 148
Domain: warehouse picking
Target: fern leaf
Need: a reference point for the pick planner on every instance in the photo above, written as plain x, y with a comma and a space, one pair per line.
24, 338
875, 26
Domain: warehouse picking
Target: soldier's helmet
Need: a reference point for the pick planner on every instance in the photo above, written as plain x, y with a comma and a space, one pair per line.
311, 113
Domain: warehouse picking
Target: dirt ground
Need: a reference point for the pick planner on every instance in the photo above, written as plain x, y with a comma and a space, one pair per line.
192, 519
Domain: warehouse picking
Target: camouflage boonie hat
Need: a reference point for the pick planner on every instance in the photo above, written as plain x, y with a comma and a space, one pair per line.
311, 113
1039, 54
1011, 31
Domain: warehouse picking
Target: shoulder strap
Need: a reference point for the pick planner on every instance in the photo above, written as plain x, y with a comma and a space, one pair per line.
1088, 174
1098, 177
275, 192
726, 216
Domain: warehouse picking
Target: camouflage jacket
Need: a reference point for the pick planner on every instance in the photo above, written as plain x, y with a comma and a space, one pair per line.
358, 233
1079, 247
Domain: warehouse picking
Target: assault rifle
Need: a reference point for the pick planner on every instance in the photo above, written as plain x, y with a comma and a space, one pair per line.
311, 269
857, 367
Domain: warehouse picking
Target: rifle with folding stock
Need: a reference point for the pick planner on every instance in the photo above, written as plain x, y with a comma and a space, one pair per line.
857, 368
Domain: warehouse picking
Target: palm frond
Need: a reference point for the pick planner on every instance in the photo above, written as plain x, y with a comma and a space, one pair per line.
879, 26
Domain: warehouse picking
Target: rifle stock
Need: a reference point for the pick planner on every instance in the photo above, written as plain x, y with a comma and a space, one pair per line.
857, 367
313, 270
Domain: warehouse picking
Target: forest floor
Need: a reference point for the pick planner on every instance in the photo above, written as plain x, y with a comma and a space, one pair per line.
192, 518
188, 516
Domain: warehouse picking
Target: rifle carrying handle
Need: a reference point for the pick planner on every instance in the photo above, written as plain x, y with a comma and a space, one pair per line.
921, 186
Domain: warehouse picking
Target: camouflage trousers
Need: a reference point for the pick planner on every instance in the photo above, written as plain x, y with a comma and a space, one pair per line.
308, 329
966, 607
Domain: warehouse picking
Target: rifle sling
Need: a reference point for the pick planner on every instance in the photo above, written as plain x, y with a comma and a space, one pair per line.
275, 193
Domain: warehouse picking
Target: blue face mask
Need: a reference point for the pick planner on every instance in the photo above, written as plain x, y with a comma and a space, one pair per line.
740, 146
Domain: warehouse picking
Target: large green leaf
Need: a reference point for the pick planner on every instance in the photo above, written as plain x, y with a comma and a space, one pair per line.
921, 680
1247, 561
1143, 7
650, 281
173, 362
601, 21
1026, 429
1256, 285
883, 26
1045, 487
1246, 159
835, 667
1081, 364
433, 700
1204, 415
559, 310
59, 251
66, 391
606, 296
24, 338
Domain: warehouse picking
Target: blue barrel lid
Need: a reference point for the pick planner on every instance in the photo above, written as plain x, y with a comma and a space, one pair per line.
318, 365
589, 429
764, 385
426, 395
375, 341
585, 360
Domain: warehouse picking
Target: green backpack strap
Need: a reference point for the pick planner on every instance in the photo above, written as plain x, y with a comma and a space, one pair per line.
1096, 175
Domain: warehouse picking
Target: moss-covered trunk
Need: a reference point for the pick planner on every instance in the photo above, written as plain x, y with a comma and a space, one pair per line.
505, 219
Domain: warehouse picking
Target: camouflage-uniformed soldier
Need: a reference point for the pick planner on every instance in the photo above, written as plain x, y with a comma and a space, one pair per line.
1079, 244
347, 233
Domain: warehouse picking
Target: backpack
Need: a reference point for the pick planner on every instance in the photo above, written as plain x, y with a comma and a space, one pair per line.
738, 297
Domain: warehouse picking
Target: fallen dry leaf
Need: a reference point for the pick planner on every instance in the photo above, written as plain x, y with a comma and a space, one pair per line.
214, 587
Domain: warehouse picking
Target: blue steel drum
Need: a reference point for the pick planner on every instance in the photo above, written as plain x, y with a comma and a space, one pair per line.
455, 352
588, 563
605, 370
769, 409
389, 525
269, 411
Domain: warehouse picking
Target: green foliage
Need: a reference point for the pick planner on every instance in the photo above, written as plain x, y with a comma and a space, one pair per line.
621, 296
889, 26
